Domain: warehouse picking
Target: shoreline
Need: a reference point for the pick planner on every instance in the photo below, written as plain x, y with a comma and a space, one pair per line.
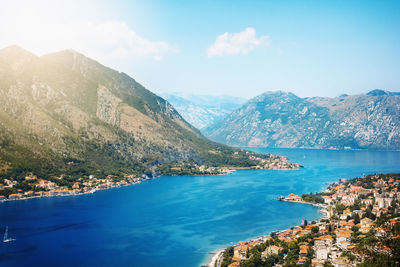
92, 191
339, 236
217, 258
229, 171
219, 253
329, 222
316, 148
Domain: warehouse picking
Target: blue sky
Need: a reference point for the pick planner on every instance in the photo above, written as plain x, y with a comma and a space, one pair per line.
240, 48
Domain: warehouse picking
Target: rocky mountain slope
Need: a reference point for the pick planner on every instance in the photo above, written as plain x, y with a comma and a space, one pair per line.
281, 119
64, 113
203, 110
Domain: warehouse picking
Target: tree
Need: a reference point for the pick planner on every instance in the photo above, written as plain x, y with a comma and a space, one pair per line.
340, 208
227, 256
356, 218
357, 205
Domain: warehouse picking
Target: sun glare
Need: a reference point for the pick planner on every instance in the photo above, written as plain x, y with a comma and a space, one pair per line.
39, 26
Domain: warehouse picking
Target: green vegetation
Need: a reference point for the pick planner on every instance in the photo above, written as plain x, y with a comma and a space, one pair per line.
227, 257
312, 198
336, 239
83, 119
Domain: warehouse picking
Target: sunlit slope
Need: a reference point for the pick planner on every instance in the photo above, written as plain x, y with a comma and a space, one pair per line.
65, 107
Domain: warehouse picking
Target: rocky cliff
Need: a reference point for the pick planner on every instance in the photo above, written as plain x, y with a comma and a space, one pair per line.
66, 113
281, 119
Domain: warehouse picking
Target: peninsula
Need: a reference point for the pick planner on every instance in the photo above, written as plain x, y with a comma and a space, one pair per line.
70, 125
361, 227
15, 185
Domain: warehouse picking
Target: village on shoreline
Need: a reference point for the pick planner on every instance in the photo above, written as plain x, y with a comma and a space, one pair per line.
33, 186
46, 188
360, 227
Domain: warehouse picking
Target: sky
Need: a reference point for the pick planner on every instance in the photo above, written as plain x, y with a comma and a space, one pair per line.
237, 48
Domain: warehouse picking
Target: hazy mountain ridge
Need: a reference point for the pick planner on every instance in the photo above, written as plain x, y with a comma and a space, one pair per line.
280, 119
203, 110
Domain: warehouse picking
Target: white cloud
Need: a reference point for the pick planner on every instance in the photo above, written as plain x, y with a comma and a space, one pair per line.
120, 41
108, 40
236, 43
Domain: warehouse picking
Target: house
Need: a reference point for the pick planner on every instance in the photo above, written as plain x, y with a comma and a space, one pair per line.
365, 222
46, 184
240, 251
29, 193
9, 183
317, 263
265, 238
377, 211
303, 250
339, 262
254, 243
272, 250
393, 221
327, 199
380, 201
301, 260
343, 244
293, 197
234, 264
15, 196
367, 201
343, 238
236, 259
335, 253
320, 249
328, 239
40, 193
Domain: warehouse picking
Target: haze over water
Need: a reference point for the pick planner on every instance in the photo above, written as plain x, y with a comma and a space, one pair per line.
175, 221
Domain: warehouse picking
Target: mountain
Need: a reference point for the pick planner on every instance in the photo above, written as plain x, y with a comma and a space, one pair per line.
282, 119
66, 114
203, 110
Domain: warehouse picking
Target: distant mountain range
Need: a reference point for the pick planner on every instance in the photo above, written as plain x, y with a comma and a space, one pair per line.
282, 119
66, 113
203, 110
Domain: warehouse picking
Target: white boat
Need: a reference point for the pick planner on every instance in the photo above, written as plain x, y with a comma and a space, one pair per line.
6, 238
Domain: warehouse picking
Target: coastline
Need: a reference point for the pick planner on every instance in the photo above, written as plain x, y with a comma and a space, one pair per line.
69, 194
321, 207
222, 171
111, 186
217, 258
360, 215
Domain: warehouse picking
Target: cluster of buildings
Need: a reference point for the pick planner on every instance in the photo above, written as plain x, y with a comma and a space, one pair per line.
211, 170
274, 162
46, 188
355, 210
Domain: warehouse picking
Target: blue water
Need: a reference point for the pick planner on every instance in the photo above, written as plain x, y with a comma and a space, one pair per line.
174, 221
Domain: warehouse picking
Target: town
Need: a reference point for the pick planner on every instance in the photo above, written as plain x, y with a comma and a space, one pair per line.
46, 188
32, 186
360, 227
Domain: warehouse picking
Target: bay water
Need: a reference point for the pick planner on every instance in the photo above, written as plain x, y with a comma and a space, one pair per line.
175, 221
